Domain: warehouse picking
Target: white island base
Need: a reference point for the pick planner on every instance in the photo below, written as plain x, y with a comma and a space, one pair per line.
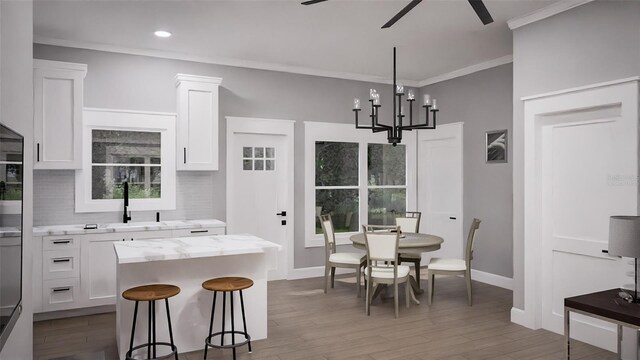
187, 263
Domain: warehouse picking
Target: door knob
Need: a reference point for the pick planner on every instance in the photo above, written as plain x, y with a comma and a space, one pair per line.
284, 213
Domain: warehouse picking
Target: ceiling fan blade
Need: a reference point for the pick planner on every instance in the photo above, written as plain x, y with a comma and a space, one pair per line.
311, 2
402, 13
481, 10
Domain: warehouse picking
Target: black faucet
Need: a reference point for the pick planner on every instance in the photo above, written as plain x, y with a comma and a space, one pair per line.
126, 215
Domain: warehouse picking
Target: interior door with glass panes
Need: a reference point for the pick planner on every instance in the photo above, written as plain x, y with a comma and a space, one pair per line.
258, 195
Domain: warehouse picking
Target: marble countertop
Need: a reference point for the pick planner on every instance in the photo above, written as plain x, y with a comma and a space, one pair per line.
138, 251
58, 230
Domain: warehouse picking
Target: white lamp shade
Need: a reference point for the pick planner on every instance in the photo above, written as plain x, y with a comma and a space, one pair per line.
624, 236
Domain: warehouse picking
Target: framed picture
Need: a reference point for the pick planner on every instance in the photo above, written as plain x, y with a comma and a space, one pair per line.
497, 145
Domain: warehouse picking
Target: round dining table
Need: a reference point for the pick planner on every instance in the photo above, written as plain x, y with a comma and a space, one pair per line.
414, 243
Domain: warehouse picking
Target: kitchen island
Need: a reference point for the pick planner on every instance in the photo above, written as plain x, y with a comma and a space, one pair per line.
187, 262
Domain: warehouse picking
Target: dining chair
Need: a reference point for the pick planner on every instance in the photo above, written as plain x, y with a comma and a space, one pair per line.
382, 263
409, 221
440, 266
335, 259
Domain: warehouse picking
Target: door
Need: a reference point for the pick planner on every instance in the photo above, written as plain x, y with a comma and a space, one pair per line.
260, 184
440, 187
580, 190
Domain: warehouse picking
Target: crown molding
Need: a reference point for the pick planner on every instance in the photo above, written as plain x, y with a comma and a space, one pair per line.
545, 12
218, 61
467, 70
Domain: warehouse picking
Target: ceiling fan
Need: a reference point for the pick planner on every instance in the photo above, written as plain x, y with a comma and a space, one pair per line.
477, 5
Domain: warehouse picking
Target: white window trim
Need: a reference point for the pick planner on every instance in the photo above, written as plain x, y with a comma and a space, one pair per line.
109, 119
322, 131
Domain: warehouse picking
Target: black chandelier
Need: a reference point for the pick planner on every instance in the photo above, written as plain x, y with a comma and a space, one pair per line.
394, 133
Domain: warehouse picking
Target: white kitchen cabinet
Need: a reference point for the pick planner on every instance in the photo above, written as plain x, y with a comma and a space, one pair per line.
79, 271
58, 102
98, 264
197, 130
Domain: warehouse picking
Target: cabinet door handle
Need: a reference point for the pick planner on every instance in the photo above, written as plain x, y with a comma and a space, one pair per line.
61, 289
38, 152
61, 260
199, 231
60, 242
185, 155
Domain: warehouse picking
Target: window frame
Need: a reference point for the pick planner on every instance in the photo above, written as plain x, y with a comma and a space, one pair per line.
125, 120
335, 132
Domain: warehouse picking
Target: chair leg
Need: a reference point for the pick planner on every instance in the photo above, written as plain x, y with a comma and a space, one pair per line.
327, 268
407, 295
467, 276
395, 296
333, 276
358, 275
416, 265
213, 311
367, 302
432, 280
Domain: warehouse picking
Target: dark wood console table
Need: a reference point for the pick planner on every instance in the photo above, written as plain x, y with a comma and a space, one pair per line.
603, 305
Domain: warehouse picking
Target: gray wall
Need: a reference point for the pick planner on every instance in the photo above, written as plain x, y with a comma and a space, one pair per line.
483, 102
596, 42
132, 82
16, 111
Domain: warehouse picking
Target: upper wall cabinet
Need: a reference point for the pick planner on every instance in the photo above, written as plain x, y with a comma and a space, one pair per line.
57, 116
197, 122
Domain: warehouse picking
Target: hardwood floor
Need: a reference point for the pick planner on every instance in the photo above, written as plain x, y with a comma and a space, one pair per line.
306, 324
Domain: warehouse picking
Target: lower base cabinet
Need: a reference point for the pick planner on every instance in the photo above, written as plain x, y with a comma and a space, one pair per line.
57, 283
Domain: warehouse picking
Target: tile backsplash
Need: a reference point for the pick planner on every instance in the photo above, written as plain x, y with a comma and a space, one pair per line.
54, 192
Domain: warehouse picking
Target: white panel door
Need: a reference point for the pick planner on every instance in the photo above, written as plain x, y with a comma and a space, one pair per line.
585, 179
440, 186
260, 183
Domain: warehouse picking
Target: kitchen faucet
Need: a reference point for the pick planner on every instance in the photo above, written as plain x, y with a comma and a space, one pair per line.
126, 216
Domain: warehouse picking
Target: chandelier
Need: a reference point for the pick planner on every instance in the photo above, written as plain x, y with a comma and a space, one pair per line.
394, 132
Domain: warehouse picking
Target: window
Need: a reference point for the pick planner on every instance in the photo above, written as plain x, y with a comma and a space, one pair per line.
133, 147
337, 188
355, 176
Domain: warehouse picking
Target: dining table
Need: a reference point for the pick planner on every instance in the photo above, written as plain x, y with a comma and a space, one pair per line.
410, 243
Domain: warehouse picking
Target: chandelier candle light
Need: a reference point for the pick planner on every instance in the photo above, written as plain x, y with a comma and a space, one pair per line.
394, 132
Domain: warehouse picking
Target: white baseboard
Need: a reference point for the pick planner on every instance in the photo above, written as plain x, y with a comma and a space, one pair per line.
492, 279
518, 316
314, 271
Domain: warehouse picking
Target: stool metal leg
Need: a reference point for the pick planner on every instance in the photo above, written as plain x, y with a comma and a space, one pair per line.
224, 305
213, 310
133, 327
233, 329
153, 321
244, 321
149, 333
166, 301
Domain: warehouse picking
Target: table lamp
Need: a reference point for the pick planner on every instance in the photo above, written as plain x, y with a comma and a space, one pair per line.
624, 240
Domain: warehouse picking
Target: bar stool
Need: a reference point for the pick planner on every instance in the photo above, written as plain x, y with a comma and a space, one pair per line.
151, 293
227, 285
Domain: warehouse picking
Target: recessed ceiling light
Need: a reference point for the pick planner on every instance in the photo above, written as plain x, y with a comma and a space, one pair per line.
162, 33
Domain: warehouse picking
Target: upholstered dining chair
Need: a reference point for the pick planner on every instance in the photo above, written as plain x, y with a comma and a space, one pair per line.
410, 222
335, 259
382, 263
439, 266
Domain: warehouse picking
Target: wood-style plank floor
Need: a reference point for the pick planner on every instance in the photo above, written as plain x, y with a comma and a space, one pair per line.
306, 324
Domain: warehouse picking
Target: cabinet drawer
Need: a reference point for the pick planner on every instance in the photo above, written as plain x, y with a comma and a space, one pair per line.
60, 242
61, 264
60, 294
199, 232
